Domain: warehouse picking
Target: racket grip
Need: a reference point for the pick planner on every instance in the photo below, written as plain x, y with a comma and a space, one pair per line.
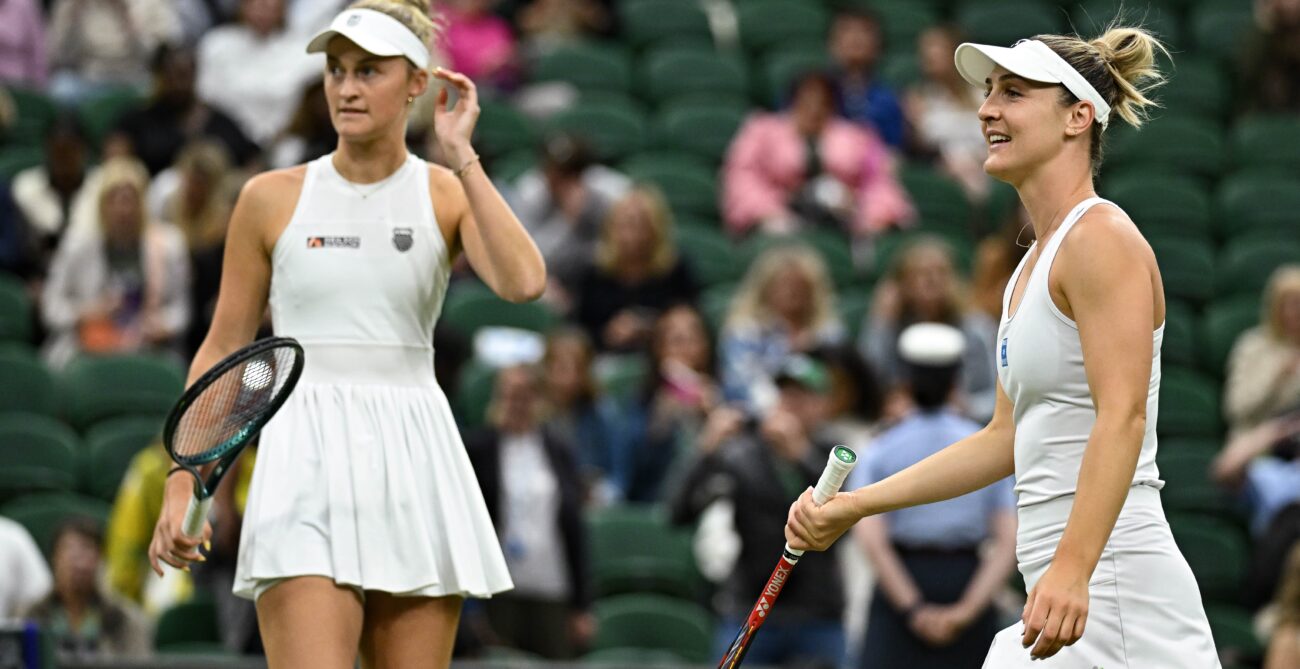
195, 515
838, 465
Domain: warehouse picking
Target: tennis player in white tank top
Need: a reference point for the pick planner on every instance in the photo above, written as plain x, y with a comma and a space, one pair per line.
1078, 359
365, 526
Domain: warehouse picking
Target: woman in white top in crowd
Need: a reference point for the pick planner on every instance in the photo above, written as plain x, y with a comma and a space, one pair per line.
365, 527
1079, 374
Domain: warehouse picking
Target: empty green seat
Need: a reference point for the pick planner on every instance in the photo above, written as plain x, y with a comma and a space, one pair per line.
587, 66
100, 114
1186, 267
710, 255
614, 126
35, 113
1189, 404
98, 388
1217, 551
766, 24
1198, 86
634, 657
647, 22
1091, 17
1180, 343
1223, 322
1004, 23
1206, 447
1222, 29
693, 71
715, 304
37, 453
502, 129
1175, 145
689, 185
15, 311
1162, 205
782, 66
42, 514
701, 128
901, 68
1188, 487
182, 626
477, 310
634, 549
654, 622
1246, 264
901, 20
110, 446
1265, 204
15, 158
25, 383
938, 199
1267, 142
1233, 628
474, 393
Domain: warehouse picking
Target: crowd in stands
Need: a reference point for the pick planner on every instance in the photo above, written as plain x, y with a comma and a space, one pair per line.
767, 230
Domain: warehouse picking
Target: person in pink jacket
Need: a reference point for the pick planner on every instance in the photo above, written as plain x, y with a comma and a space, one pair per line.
807, 166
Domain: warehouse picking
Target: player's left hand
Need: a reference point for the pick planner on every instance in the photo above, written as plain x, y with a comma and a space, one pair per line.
1056, 611
455, 126
815, 528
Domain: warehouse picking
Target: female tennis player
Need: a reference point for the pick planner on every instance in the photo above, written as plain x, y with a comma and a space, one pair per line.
1078, 359
365, 526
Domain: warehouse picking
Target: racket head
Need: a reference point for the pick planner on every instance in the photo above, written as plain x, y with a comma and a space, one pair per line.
226, 407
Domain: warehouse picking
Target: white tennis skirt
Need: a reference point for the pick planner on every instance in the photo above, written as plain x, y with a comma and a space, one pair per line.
362, 477
1144, 609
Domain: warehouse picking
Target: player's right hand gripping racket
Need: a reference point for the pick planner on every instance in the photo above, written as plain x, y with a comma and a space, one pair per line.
838, 466
224, 410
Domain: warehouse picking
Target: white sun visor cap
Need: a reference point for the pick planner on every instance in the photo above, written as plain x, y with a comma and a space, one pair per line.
377, 33
1032, 60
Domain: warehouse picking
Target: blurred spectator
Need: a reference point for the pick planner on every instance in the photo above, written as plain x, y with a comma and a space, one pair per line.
310, 133
856, 43
996, 258
760, 465
121, 282
547, 24
98, 45
932, 608
636, 273
255, 70
174, 116
661, 423
942, 109
27, 578
1272, 67
83, 621
923, 287
480, 44
786, 304
574, 413
1284, 641
562, 204
534, 495
1263, 463
52, 195
23, 57
856, 396
16, 257
806, 167
1264, 366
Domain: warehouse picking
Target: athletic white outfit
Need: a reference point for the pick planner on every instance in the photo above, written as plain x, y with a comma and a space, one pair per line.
362, 475
1144, 606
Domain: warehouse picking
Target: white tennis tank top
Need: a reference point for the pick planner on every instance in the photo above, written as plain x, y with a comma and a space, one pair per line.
1040, 367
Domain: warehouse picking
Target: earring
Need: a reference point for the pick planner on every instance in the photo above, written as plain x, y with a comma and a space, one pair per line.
410, 99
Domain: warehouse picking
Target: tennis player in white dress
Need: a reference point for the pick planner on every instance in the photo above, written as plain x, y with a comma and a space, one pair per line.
365, 527
1078, 359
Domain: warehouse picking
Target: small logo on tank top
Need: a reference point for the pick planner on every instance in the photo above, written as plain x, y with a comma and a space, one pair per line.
1003, 352
403, 239
333, 242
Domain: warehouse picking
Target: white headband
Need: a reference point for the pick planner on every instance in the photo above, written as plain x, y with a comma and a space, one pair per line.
1032, 60
376, 33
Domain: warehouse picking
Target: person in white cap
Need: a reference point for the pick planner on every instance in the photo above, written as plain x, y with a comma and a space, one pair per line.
1078, 360
365, 527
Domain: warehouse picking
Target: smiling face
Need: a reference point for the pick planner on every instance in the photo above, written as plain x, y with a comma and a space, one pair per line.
367, 93
1026, 125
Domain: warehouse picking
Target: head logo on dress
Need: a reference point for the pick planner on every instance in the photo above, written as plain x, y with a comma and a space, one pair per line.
354, 20
403, 239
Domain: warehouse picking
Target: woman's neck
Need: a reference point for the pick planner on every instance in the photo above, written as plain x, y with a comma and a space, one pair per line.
1053, 190
369, 162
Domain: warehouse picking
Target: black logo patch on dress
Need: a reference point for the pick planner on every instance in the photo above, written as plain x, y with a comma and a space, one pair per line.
403, 239
333, 242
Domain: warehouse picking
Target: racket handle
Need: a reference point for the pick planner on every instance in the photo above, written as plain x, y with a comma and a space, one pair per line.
195, 515
838, 465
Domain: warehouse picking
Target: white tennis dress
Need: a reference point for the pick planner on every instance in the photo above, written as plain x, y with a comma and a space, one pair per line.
1144, 606
362, 475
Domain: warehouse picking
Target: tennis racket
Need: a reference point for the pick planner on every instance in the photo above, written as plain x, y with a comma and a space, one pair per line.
224, 410
838, 466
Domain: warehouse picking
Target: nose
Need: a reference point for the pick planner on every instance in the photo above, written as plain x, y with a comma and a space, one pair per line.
988, 110
348, 87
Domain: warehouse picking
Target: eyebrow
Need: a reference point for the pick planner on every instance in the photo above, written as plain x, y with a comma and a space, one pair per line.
1004, 77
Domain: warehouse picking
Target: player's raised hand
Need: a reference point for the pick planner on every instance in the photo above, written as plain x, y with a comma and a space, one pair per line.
454, 125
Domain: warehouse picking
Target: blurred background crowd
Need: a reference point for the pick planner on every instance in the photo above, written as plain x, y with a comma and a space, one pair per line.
768, 231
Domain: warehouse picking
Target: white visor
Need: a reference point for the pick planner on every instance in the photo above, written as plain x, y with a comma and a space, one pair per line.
376, 33
1032, 60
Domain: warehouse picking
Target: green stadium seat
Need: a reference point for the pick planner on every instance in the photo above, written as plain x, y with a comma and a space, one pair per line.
502, 129
1221, 29
890, 245
715, 303
15, 311
35, 113
634, 657
900, 68
832, 246
1265, 204
1206, 447
37, 454
782, 66
101, 113
693, 71
1091, 17
1180, 343
709, 253
1005, 23
1163, 205
1233, 628
767, 24
99, 388
1186, 267
1189, 404
654, 622
474, 310
938, 199
852, 307
183, 625
509, 167
901, 20
687, 182
25, 383
1246, 264
15, 158
1217, 550
588, 67
615, 127
622, 376
1267, 142
1224, 321
634, 549
702, 128
110, 446
649, 22
41, 514
1199, 86
1188, 488
1175, 145
474, 393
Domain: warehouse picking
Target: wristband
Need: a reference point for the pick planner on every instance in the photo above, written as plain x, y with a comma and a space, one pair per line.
460, 172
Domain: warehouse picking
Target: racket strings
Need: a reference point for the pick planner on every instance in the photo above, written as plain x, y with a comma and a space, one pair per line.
234, 402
